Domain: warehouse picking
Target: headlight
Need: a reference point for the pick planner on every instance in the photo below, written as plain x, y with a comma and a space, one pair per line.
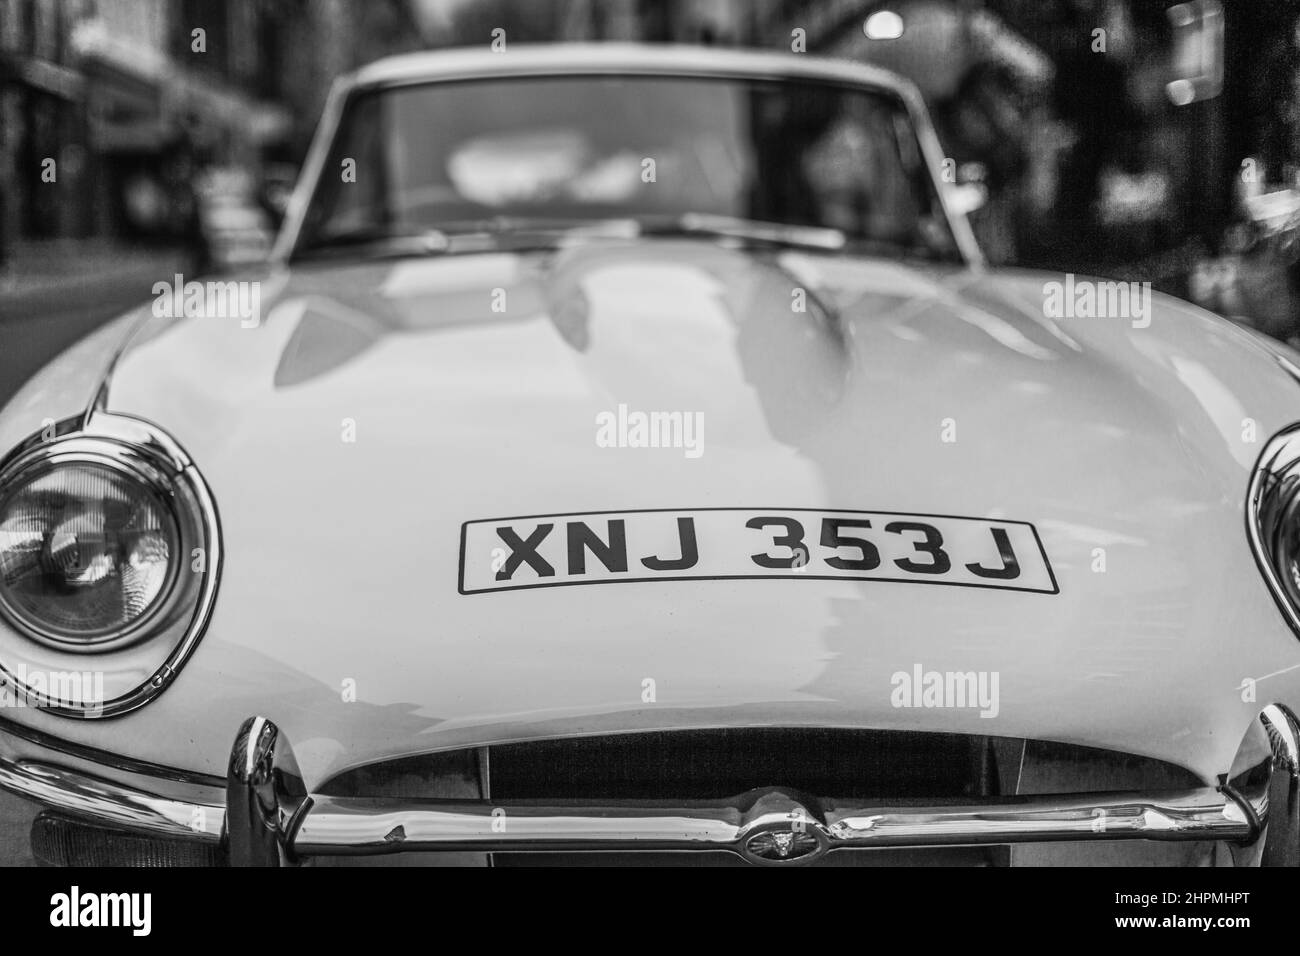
1273, 520
88, 552
108, 541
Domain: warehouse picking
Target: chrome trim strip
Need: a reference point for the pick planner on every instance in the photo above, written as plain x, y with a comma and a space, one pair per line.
57, 749
101, 800
144, 447
118, 791
333, 826
1201, 814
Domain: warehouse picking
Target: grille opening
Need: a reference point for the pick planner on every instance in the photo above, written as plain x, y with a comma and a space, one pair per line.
715, 764
449, 775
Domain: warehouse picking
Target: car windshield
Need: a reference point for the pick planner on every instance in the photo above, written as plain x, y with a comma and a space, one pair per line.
803, 163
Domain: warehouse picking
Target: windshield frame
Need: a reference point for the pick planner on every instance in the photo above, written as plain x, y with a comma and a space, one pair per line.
347, 91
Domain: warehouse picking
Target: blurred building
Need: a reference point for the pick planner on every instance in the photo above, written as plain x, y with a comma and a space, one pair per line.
1101, 145
42, 116
1117, 136
134, 99
109, 105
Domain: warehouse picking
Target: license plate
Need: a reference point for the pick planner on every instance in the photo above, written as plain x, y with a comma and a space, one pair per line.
506, 554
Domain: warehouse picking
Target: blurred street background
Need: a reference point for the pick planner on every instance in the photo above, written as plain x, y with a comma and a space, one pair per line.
1133, 139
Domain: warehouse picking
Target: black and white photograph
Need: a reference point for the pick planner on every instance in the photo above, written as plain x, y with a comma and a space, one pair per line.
651, 433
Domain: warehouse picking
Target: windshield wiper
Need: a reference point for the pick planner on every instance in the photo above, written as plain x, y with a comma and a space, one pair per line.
377, 242
517, 233
514, 233
505, 233
732, 227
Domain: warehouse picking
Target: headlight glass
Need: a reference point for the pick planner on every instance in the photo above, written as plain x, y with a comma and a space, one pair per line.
87, 552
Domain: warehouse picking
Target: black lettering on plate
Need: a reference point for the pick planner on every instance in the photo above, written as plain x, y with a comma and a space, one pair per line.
613, 555
689, 548
832, 538
792, 539
711, 546
1010, 566
931, 544
521, 551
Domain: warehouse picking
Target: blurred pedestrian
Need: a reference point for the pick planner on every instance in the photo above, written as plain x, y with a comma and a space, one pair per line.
984, 124
182, 175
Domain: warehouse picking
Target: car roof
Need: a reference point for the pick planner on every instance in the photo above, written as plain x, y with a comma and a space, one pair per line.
667, 59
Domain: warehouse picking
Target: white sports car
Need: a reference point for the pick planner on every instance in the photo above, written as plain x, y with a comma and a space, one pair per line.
627, 453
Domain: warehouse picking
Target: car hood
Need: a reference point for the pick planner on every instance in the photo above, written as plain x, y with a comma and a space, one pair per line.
352, 426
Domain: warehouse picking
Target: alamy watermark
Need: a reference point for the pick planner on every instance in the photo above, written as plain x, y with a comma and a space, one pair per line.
632, 429
133, 911
1091, 299
946, 690
209, 300
80, 690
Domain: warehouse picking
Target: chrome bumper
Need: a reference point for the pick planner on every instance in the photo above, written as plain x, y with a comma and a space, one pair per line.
270, 819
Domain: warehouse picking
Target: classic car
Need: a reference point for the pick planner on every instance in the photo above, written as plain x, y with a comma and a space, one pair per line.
626, 455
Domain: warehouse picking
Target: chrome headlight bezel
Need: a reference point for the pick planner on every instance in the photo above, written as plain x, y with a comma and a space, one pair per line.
1273, 520
141, 452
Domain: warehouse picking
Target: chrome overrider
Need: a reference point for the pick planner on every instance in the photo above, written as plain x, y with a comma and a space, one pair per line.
269, 818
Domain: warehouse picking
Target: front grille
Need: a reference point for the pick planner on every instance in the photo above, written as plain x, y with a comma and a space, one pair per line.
720, 763
819, 767
713, 764
59, 840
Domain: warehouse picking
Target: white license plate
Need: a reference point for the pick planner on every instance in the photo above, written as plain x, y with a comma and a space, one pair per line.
504, 554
